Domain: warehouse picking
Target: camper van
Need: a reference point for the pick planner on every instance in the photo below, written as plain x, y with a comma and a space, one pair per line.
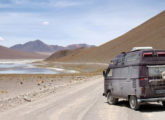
137, 76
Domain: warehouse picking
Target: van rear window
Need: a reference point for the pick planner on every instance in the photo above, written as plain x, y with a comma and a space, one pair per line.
156, 70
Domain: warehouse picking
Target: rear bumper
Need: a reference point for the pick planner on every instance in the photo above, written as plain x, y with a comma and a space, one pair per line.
151, 100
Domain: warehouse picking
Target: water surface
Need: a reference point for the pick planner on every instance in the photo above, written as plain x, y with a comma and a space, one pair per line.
26, 67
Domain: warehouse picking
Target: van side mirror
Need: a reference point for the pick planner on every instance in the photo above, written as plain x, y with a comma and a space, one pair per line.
104, 74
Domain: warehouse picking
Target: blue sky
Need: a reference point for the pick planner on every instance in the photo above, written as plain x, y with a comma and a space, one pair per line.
66, 22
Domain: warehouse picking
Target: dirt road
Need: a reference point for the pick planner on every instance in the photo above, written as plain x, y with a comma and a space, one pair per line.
81, 102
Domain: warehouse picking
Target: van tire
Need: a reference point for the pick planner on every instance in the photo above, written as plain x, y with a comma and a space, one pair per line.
163, 103
111, 100
133, 103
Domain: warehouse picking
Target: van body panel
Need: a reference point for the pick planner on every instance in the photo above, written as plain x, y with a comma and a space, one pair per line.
130, 75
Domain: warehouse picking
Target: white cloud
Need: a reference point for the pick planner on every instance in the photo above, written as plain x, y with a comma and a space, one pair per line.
66, 4
45, 23
1, 38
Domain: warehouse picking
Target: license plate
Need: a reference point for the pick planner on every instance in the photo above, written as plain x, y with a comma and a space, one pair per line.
160, 91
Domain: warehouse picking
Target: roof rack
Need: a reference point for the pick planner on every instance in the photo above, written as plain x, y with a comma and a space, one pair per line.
141, 48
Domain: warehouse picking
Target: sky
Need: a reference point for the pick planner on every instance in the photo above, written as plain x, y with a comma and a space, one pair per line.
64, 22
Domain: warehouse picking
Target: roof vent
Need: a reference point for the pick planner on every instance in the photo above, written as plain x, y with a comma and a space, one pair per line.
141, 48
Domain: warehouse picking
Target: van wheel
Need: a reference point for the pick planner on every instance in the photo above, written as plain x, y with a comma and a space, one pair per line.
133, 103
163, 103
111, 100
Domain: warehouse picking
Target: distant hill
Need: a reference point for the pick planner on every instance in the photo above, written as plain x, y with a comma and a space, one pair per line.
41, 47
36, 46
150, 33
8, 53
64, 53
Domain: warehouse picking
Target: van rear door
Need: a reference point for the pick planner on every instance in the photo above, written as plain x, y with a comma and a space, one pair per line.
156, 81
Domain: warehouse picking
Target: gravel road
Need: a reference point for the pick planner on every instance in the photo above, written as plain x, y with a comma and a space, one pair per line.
82, 101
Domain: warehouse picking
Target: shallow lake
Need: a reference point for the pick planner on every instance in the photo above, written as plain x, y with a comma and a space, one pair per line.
27, 67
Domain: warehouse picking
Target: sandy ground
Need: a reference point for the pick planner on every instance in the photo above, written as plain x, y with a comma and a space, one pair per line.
82, 101
19, 89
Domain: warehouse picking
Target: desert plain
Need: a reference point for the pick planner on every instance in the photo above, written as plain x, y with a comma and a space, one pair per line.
17, 89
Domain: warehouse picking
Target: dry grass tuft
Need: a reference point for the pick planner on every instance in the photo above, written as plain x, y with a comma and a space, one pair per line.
44, 86
3, 91
42, 81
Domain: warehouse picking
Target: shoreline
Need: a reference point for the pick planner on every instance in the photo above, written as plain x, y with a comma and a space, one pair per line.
26, 66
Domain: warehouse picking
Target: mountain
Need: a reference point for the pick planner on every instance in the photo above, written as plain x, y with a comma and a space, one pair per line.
36, 46
8, 53
64, 53
150, 33
41, 47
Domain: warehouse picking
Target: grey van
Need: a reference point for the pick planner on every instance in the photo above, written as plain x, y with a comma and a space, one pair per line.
137, 76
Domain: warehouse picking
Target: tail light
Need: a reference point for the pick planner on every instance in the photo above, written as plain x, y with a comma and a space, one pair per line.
161, 54
143, 82
147, 54
142, 78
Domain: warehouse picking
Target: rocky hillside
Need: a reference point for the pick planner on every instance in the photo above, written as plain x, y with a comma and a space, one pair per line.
150, 33
64, 53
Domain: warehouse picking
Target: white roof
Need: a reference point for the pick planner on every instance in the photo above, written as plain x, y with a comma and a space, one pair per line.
141, 48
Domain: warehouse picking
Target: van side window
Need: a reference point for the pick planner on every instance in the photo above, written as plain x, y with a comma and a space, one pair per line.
110, 73
120, 72
134, 71
119, 60
131, 57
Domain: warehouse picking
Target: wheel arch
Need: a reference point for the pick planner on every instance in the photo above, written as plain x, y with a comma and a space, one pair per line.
108, 91
130, 96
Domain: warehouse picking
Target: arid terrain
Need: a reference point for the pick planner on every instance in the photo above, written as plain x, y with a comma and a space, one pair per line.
19, 88
57, 59
76, 96
81, 100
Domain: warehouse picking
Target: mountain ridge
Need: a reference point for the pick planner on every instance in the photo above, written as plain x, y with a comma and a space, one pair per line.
39, 46
8, 53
